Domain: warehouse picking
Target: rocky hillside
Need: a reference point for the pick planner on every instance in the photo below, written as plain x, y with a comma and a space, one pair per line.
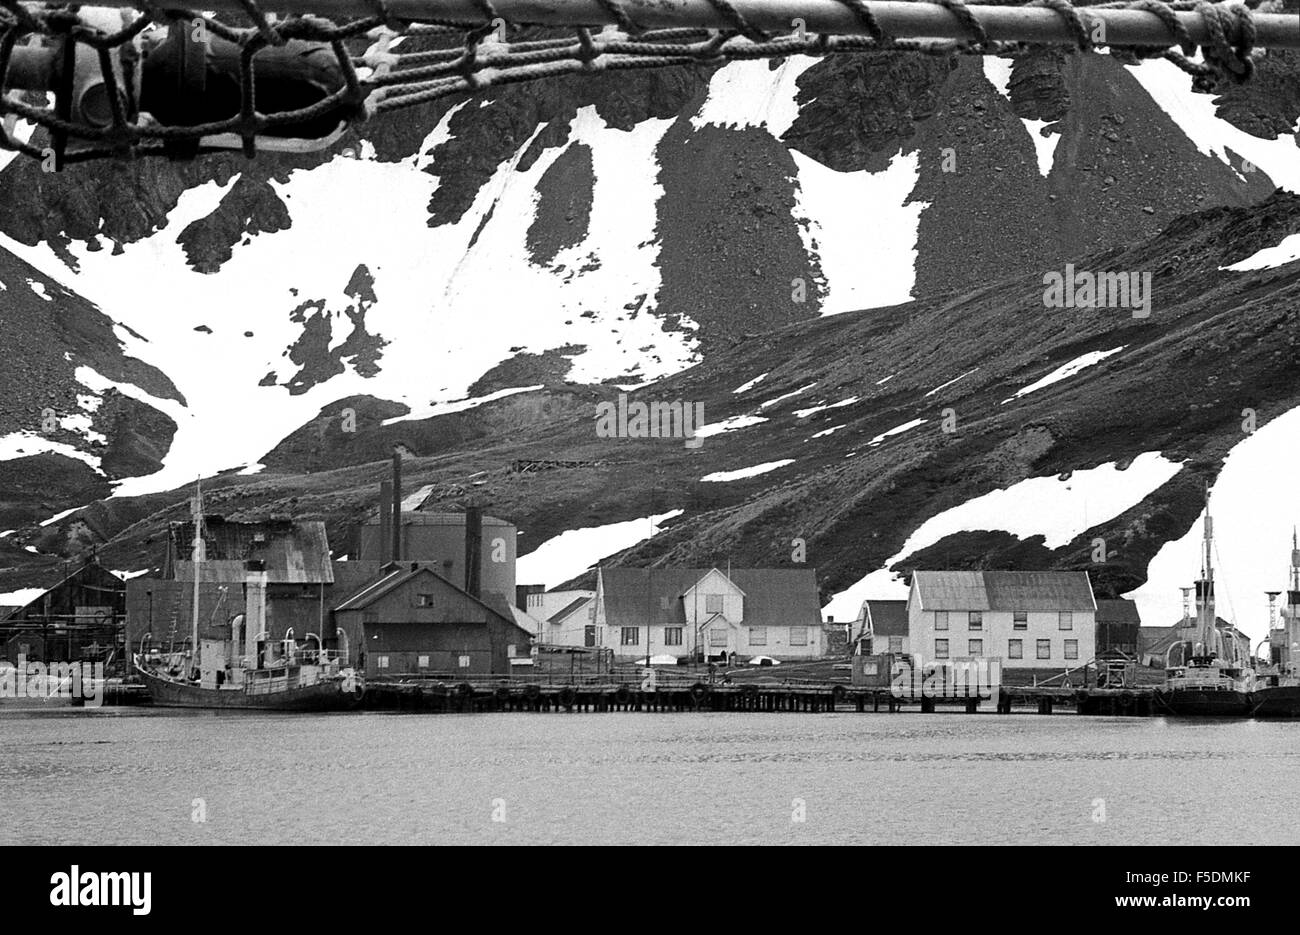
683, 231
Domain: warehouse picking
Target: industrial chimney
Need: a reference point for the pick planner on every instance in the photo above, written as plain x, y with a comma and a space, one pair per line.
385, 521
473, 550
397, 506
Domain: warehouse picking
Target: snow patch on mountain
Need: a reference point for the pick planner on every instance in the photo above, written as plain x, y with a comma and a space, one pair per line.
944, 386
822, 407
1195, 115
572, 552
784, 396
728, 425
896, 430
722, 477
750, 384
460, 405
1285, 252
998, 72
753, 94
1255, 503
24, 444
450, 299
1055, 508
862, 229
1065, 371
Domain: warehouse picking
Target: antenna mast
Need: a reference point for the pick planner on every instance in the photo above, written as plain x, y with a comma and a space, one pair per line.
196, 512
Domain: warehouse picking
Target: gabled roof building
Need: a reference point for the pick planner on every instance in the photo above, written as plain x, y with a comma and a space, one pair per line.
707, 613
1030, 619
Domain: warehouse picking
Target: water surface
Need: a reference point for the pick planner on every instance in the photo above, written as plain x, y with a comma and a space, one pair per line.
133, 775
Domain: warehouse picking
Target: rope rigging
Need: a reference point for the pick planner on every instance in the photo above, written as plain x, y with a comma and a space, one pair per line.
177, 83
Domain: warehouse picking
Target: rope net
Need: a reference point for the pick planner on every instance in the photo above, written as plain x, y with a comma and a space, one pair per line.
108, 82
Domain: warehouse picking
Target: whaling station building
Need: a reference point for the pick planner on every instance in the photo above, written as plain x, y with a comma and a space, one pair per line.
426, 593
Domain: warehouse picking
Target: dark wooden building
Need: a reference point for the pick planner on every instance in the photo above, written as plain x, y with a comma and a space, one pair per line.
1118, 627
414, 621
81, 618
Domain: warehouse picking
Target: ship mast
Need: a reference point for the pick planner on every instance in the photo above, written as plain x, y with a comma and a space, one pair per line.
1293, 595
196, 512
1205, 590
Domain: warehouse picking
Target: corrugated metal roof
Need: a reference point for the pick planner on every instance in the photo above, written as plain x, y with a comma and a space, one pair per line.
1039, 590
773, 596
951, 590
1004, 590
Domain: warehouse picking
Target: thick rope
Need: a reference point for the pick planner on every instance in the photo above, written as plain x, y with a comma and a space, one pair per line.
426, 74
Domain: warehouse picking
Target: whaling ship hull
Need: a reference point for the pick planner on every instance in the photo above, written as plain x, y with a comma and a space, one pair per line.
1278, 702
322, 696
1204, 703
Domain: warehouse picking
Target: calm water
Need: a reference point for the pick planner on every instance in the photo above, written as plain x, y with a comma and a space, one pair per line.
132, 775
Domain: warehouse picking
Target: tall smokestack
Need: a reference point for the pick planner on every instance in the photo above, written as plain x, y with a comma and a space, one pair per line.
386, 521
255, 578
473, 550
397, 506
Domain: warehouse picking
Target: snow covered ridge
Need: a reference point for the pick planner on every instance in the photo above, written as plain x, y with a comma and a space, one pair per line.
1057, 508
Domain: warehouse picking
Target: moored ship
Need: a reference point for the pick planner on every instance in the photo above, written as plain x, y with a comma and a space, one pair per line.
1204, 676
245, 670
1278, 694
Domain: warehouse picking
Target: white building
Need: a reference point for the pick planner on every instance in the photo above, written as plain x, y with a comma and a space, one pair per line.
708, 613
881, 627
567, 617
1030, 619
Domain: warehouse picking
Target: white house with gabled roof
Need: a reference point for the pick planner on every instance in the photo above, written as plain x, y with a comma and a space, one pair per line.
740, 613
1029, 619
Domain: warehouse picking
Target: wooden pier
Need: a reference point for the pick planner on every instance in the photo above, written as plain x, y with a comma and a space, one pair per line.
483, 695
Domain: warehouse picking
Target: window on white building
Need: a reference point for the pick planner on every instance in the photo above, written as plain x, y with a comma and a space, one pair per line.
940, 649
758, 636
1015, 649
798, 636
1044, 649
589, 636
718, 637
672, 636
895, 644
631, 636
713, 603
941, 619
977, 620
424, 600
975, 647
1071, 649
1019, 620
1067, 620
